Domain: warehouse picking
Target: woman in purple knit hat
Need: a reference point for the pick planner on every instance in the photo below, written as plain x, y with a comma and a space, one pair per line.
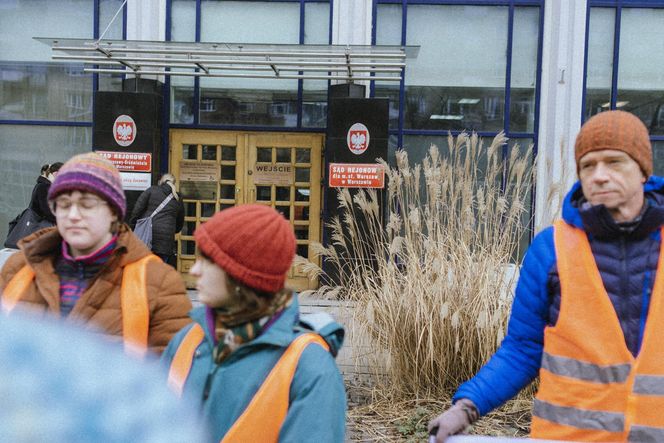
91, 268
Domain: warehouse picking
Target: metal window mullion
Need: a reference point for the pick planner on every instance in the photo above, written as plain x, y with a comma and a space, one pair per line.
300, 82
616, 55
95, 34
508, 80
402, 83
197, 80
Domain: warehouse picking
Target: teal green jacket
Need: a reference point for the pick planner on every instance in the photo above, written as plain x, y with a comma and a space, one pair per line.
317, 397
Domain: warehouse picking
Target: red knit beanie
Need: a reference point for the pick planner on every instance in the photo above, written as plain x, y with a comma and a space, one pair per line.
254, 244
617, 130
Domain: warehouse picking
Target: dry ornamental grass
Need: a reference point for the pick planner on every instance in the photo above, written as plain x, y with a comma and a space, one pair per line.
430, 286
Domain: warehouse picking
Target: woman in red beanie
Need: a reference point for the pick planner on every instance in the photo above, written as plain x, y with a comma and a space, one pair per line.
261, 373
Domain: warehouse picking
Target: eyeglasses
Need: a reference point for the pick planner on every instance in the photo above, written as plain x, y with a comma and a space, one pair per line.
85, 205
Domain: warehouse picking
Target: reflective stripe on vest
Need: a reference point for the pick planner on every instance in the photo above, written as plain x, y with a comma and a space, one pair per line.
592, 388
183, 358
254, 424
133, 296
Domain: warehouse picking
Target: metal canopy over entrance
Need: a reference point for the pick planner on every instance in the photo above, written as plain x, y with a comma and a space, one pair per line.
270, 61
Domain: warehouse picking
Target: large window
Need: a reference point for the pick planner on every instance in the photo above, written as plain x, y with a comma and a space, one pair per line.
230, 102
476, 69
624, 64
45, 106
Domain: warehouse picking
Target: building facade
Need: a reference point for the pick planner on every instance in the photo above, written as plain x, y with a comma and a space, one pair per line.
535, 69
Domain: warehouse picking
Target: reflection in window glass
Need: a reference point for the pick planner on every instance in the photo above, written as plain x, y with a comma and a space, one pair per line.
228, 153
64, 19
524, 70
600, 60
302, 155
247, 102
640, 70
283, 155
264, 155
302, 194
188, 228
250, 22
316, 23
209, 152
391, 92
228, 172
458, 79
284, 210
183, 20
303, 251
228, 192
107, 10
302, 175
188, 247
314, 92
45, 91
23, 150
264, 193
314, 103
283, 193
189, 152
182, 100
302, 213
207, 209
190, 209
302, 232
658, 157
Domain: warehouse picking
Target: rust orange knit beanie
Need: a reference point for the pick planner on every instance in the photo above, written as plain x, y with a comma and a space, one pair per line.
617, 130
254, 244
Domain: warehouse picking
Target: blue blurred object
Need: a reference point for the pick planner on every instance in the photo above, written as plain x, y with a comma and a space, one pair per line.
61, 384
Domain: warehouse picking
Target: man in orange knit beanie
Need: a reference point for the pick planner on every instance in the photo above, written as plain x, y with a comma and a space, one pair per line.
588, 305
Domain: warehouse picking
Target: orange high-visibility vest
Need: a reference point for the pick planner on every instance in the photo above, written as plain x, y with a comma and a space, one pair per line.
133, 296
591, 387
254, 424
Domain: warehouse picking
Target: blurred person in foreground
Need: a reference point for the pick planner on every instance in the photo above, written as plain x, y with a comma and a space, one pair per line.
589, 304
86, 391
91, 268
261, 372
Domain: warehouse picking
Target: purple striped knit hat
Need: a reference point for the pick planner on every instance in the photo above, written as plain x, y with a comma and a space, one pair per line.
91, 173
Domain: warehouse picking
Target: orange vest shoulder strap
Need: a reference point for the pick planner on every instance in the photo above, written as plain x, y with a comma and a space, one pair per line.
16, 287
135, 308
254, 424
183, 358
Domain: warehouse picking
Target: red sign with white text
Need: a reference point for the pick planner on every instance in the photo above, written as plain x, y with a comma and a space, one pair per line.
356, 175
129, 161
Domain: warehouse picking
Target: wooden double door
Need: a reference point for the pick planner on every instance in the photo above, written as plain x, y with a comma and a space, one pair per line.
220, 169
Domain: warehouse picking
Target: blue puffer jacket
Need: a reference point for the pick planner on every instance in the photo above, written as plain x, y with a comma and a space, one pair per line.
626, 256
317, 397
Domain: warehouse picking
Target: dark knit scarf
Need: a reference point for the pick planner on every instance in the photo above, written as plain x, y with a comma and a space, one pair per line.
76, 273
234, 327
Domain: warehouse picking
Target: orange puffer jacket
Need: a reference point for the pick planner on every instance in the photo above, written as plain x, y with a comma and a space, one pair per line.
99, 307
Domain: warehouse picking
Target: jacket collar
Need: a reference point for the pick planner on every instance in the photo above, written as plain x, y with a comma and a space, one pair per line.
46, 244
597, 221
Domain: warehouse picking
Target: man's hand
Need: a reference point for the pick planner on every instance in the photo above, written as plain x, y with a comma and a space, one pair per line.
453, 421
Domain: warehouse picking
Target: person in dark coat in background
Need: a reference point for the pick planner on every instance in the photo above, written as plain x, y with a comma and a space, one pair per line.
39, 198
167, 222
